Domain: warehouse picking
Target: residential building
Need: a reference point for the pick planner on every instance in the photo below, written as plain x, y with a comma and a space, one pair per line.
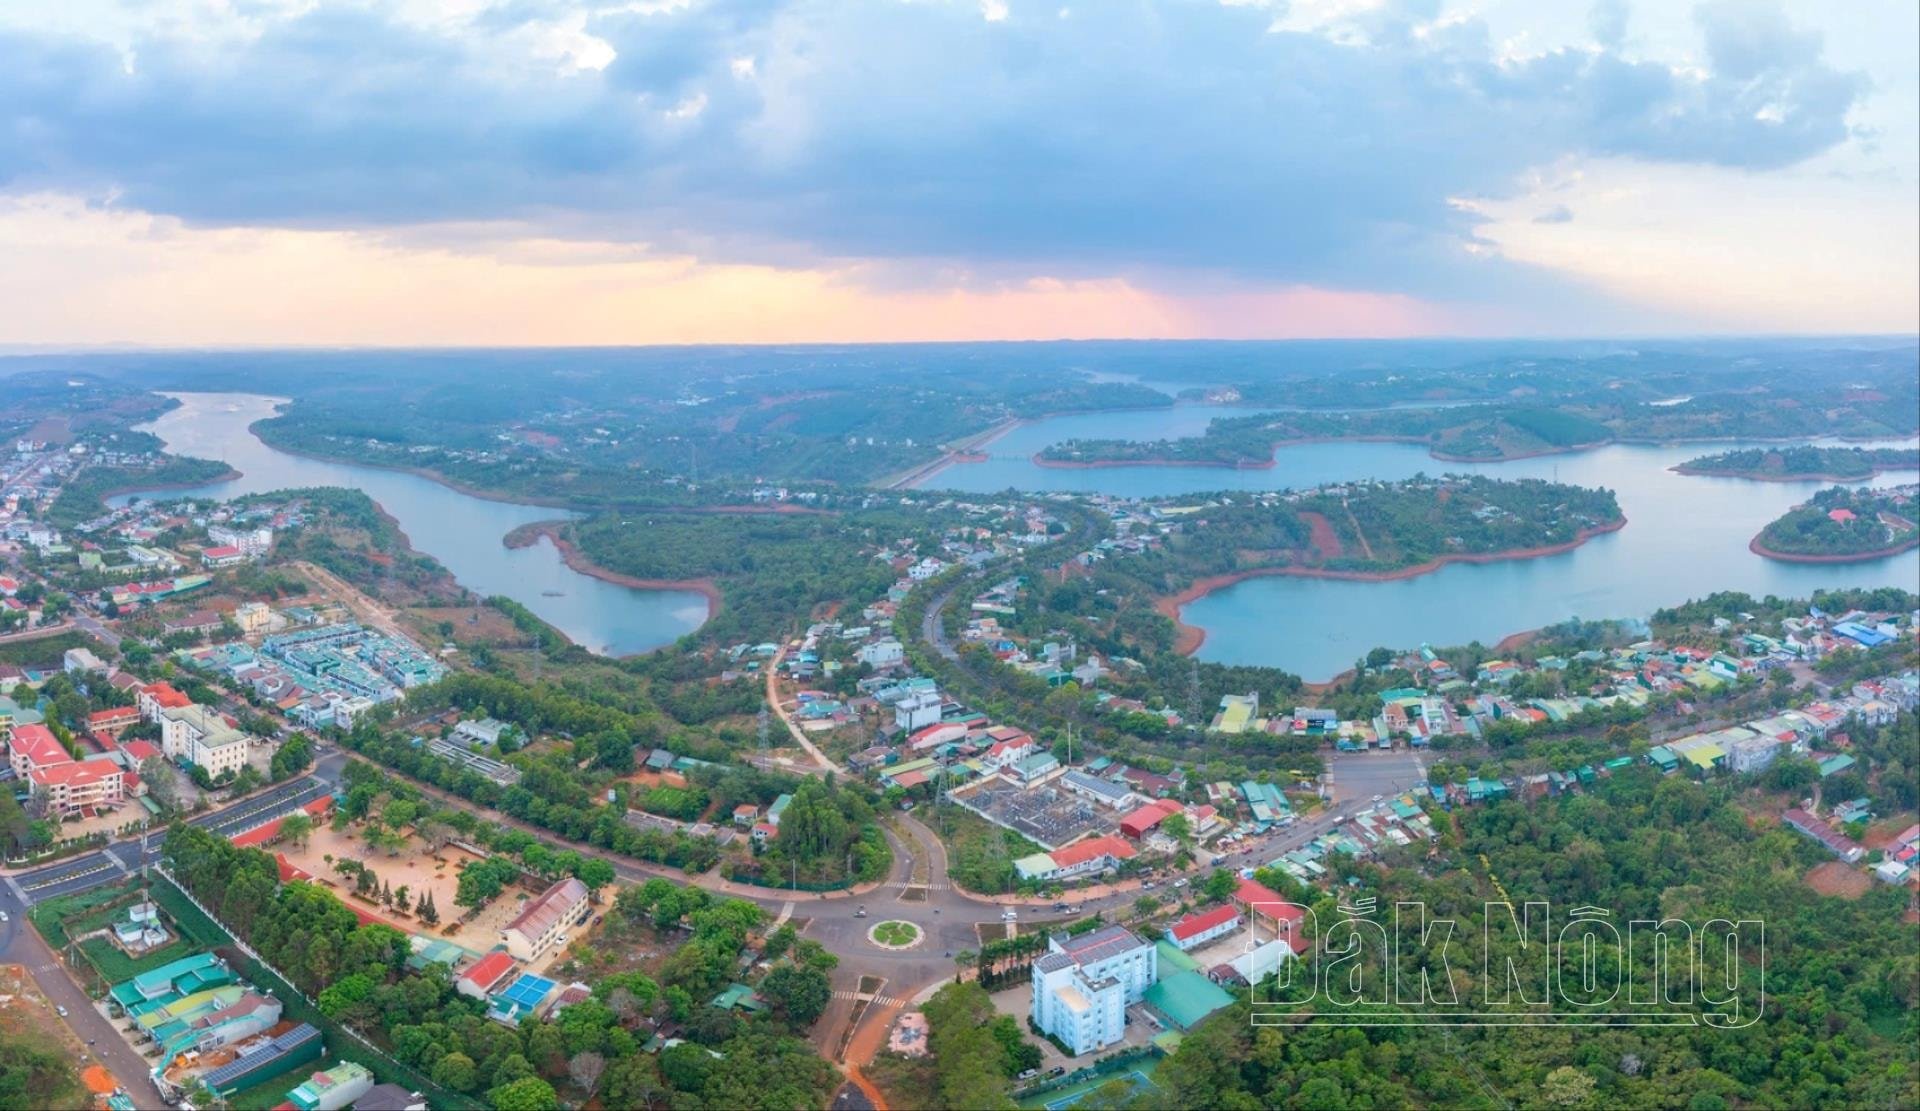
82, 661
333, 1089
882, 653
1200, 927
545, 919
1836, 843
1095, 854
917, 710
109, 723
252, 617
1083, 985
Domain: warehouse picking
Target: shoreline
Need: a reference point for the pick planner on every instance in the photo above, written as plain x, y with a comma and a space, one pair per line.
971, 446
527, 535
1189, 638
1272, 459
1755, 476
1761, 550
137, 488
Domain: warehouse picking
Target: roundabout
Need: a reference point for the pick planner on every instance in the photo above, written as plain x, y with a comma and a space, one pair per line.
894, 934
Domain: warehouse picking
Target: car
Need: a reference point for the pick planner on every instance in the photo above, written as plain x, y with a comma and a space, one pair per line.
1029, 1074
1181, 882
1146, 885
61, 1011
3, 917
1057, 1070
1009, 915
1377, 798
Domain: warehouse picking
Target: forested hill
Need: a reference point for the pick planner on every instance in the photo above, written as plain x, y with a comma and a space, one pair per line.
1838, 1027
1382, 528
1804, 461
1838, 523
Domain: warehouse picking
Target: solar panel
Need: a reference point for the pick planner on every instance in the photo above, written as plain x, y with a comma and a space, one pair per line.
238, 1068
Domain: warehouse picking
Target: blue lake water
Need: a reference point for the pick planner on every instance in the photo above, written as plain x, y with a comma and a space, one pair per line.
1686, 536
461, 531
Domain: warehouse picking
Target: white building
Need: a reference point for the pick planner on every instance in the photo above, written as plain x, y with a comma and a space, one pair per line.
925, 569
201, 737
545, 920
1083, 985
252, 542
252, 617
882, 653
917, 711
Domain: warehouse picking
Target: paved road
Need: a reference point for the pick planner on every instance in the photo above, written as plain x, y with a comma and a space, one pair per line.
21, 944
97, 629
123, 858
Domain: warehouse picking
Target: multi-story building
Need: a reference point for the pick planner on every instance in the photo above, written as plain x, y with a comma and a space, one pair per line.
73, 788
1083, 985
203, 738
546, 919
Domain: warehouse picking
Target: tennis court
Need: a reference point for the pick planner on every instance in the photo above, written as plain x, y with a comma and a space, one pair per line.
527, 991
1137, 1082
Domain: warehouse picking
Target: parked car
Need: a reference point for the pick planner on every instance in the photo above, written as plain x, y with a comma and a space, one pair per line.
1181, 882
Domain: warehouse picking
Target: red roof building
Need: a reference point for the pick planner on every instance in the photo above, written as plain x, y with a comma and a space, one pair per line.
83, 787
138, 750
1092, 854
1262, 902
109, 722
1203, 926
487, 973
1840, 516
158, 697
34, 746
1137, 824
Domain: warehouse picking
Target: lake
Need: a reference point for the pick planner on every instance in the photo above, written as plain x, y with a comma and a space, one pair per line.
1686, 537
461, 531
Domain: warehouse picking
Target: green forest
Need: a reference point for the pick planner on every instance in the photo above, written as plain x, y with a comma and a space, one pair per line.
1842, 978
1805, 461
1838, 521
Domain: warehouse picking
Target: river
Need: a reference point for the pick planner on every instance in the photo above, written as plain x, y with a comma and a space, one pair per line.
461, 531
1686, 537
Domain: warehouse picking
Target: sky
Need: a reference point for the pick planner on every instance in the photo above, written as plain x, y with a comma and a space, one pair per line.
500, 172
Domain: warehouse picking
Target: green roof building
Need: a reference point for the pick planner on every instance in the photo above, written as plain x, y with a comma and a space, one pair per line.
1185, 998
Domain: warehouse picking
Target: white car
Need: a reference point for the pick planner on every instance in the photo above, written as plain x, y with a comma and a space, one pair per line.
1009, 915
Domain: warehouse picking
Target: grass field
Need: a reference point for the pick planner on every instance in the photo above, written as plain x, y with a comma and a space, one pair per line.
896, 933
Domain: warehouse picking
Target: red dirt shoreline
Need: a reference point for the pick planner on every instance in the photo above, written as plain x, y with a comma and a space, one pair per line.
1759, 549
527, 535
1189, 638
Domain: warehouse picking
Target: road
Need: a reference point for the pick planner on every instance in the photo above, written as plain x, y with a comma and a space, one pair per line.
21, 944
793, 728
97, 629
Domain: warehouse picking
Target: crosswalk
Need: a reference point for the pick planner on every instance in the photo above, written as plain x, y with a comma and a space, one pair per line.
904, 886
878, 1000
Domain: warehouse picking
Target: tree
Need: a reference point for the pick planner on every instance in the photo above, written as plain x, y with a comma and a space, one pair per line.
297, 828
1220, 884
529, 1093
162, 787
456, 1071
429, 913
800, 993
585, 1070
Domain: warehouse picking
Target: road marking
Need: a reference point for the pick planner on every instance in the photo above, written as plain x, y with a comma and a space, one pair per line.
786, 912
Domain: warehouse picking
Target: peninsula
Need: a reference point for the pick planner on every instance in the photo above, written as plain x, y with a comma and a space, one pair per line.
1803, 462
1839, 525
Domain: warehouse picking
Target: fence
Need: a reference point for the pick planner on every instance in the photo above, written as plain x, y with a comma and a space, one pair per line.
303, 1007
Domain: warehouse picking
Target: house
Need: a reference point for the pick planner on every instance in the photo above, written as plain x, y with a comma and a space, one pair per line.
1083, 985
252, 617
1835, 842
882, 653
1137, 824
1203, 926
1103, 791
224, 556
1263, 904
486, 731
390, 1097
1032, 768
336, 1088
486, 976
82, 661
917, 710
779, 807
544, 920
1096, 854
745, 815
199, 621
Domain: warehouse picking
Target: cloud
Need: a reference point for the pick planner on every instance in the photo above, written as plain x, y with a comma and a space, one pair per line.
1138, 138
1558, 214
